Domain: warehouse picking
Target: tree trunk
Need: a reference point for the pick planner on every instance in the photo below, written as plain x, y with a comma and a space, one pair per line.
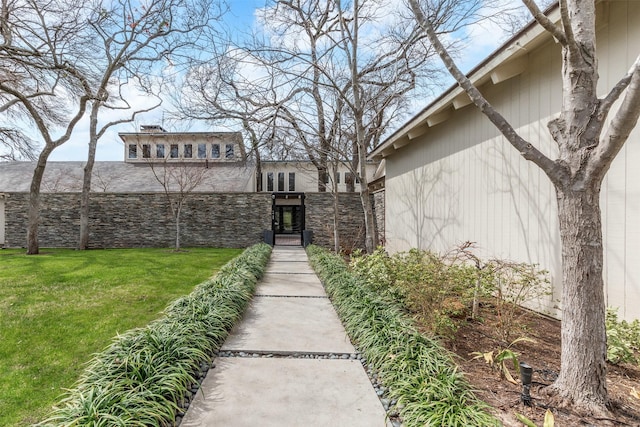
584, 338
34, 201
178, 211
86, 180
365, 199
336, 210
258, 172
322, 178
369, 223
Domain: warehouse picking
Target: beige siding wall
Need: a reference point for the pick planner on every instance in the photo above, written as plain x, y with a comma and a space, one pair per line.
461, 181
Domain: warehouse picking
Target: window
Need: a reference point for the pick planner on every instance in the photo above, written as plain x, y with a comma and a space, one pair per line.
188, 151
202, 151
174, 151
280, 181
348, 178
215, 151
269, 181
337, 177
228, 153
160, 151
292, 181
133, 151
146, 151
326, 177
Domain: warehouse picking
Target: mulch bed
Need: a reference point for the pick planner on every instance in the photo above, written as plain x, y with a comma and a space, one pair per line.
544, 357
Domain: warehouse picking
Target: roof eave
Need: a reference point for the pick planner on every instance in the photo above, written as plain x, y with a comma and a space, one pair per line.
505, 62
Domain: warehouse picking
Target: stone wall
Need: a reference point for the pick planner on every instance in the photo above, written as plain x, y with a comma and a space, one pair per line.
233, 220
378, 212
319, 219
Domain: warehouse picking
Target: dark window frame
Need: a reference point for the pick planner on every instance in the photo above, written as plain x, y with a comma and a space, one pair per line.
292, 181
269, 181
280, 181
215, 151
174, 151
202, 151
229, 151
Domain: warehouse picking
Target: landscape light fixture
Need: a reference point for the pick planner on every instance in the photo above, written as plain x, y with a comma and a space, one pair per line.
526, 372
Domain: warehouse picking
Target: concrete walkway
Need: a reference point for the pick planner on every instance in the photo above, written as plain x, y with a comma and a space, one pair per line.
289, 361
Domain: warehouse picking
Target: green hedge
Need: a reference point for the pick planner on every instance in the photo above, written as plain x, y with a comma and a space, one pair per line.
418, 371
145, 376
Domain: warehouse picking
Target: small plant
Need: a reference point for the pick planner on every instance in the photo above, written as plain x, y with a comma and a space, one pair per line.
516, 285
375, 268
502, 358
549, 420
623, 339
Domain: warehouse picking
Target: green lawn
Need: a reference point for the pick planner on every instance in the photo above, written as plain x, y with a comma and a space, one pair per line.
60, 307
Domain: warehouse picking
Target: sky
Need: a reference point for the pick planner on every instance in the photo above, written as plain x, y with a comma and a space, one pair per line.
110, 146
483, 40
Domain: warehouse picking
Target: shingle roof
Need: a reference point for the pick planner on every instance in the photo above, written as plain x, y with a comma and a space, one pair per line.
120, 177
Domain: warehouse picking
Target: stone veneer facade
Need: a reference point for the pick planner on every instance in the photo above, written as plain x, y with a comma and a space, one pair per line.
378, 212
118, 220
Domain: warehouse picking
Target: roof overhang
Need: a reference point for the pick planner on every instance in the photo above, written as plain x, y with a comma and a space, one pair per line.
506, 62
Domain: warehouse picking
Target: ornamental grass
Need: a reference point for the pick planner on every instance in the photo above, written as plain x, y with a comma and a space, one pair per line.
419, 373
143, 377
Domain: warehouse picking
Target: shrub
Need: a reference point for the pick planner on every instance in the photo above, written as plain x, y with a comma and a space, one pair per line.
442, 290
623, 339
145, 374
435, 289
419, 373
515, 285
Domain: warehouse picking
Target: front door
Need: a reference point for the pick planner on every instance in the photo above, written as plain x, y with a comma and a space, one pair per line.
288, 218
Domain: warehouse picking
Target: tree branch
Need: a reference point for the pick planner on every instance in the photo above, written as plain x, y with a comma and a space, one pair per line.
545, 22
619, 129
554, 170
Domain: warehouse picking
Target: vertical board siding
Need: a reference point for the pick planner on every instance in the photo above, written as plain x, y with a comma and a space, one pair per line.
461, 181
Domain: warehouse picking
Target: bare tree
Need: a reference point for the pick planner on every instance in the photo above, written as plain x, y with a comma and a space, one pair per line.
587, 146
178, 177
379, 73
15, 144
216, 91
45, 69
321, 82
134, 48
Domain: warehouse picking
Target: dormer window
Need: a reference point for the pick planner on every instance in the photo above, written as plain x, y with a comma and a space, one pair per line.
188, 151
202, 151
156, 145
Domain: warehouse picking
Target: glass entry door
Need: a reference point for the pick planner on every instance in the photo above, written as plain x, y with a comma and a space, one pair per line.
288, 218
